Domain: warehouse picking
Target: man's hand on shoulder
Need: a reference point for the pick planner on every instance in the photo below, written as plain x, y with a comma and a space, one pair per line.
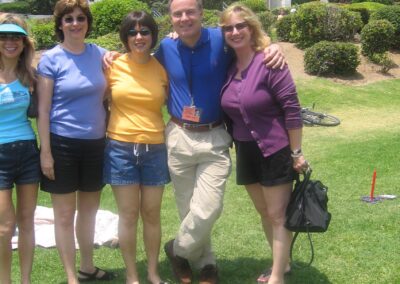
274, 56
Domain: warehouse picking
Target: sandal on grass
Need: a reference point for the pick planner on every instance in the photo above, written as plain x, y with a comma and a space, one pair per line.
266, 275
87, 277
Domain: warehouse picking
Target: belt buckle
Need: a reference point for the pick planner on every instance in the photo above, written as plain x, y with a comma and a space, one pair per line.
186, 125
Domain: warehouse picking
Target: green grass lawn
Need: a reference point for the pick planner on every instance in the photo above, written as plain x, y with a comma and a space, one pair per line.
362, 244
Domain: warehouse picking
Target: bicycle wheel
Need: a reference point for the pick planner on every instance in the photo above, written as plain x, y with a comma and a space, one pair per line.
317, 118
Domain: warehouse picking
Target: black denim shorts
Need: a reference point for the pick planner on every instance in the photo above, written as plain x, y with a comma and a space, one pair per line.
78, 165
253, 167
19, 163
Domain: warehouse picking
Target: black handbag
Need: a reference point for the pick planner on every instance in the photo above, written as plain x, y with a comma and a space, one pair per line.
307, 210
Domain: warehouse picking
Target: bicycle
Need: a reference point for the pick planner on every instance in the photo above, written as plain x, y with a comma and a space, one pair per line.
312, 118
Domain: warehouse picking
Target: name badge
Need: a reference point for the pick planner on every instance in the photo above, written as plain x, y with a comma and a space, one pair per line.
191, 113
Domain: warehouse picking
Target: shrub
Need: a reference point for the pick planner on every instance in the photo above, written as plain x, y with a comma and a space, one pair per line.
108, 14
283, 27
307, 26
385, 2
267, 19
255, 5
15, 7
365, 9
314, 22
43, 33
383, 60
326, 58
299, 2
392, 14
210, 18
109, 41
376, 37
42, 7
340, 24
216, 4
278, 11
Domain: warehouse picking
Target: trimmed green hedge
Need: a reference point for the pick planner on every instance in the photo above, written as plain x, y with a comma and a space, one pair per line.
108, 14
392, 14
283, 27
43, 33
267, 19
365, 9
314, 22
376, 37
386, 2
109, 41
327, 58
20, 7
255, 5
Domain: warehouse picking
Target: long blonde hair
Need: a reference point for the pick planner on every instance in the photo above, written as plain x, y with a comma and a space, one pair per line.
259, 37
24, 70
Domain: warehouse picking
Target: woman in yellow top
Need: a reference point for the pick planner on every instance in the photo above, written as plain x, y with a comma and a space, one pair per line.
135, 157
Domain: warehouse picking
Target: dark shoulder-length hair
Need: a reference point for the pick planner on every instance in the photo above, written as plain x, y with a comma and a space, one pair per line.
64, 7
142, 19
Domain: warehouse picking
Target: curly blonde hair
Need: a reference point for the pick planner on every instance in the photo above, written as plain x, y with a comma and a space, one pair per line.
24, 71
260, 39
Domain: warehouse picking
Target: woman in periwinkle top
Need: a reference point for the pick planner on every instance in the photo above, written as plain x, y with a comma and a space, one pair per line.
264, 117
71, 127
19, 156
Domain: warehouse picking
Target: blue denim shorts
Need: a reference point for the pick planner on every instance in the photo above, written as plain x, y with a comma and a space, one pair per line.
135, 163
19, 163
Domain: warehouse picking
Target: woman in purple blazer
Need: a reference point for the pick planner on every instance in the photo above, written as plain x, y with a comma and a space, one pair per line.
263, 116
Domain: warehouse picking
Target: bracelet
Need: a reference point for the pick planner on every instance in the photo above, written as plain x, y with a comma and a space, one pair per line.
296, 153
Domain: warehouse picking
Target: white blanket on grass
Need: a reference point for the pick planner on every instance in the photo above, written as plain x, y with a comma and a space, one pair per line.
106, 232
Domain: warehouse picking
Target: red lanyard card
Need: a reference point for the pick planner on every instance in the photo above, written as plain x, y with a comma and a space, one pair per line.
191, 113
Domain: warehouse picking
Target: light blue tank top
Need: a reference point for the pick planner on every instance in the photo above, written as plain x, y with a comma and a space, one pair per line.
14, 122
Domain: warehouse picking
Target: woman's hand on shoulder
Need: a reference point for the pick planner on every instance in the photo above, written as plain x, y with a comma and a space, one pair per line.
109, 57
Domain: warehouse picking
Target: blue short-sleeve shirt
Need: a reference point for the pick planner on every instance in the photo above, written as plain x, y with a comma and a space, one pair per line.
196, 73
79, 85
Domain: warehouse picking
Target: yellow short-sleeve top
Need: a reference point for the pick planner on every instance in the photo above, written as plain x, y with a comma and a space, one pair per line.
138, 92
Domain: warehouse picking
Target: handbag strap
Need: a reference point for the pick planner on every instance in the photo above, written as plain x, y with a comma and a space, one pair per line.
291, 251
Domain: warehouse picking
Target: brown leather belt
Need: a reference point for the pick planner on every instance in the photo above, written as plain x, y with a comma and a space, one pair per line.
196, 127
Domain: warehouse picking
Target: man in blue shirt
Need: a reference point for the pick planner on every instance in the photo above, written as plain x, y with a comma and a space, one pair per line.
197, 142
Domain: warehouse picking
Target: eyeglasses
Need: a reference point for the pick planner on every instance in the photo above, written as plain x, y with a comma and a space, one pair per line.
142, 32
70, 19
12, 37
238, 27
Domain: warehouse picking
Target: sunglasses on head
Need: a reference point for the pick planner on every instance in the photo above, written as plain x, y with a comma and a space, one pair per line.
142, 32
238, 27
12, 37
70, 19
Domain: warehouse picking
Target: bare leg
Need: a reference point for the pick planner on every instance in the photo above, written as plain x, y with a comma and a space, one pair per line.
26, 205
257, 196
277, 198
150, 211
87, 204
64, 212
128, 202
7, 227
